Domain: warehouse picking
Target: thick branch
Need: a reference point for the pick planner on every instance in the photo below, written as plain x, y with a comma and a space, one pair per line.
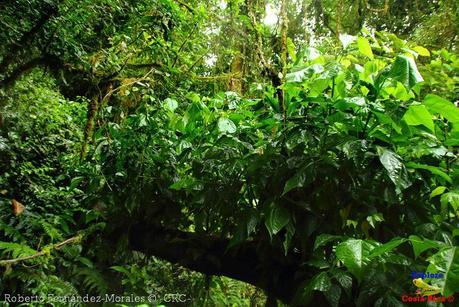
27, 38
46, 61
259, 264
77, 82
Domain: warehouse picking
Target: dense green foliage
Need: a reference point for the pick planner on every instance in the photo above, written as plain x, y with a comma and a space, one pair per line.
317, 165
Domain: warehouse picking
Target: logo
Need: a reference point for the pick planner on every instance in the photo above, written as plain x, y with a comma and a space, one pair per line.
426, 292
415, 275
424, 289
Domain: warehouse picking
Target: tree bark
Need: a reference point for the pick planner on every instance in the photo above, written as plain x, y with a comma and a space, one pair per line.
257, 263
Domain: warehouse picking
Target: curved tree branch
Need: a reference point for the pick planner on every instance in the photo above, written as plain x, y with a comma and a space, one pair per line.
27, 37
45, 61
257, 263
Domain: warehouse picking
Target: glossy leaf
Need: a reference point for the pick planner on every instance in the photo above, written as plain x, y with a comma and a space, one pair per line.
432, 169
298, 75
226, 125
394, 167
420, 245
404, 70
311, 53
446, 261
451, 198
296, 181
386, 247
354, 253
276, 219
323, 239
320, 282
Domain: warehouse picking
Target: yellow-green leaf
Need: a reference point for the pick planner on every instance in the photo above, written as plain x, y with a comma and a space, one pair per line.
364, 47
421, 51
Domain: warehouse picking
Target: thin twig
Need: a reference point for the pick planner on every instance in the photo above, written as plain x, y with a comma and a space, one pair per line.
108, 95
57, 246
183, 45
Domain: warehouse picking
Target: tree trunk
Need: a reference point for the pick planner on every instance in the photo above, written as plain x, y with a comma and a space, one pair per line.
283, 55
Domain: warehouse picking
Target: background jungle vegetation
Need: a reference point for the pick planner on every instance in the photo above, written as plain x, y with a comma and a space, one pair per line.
240, 152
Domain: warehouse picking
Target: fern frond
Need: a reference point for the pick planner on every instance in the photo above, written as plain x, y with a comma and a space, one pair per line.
16, 249
51, 231
93, 280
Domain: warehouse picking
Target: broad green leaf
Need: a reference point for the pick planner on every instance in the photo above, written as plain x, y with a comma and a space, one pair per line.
276, 219
394, 167
310, 54
452, 198
318, 86
421, 51
354, 253
432, 169
143, 120
300, 74
404, 69
355, 101
400, 92
346, 40
436, 104
226, 125
75, 182
86, 262
344, 279
170, 104
386, 119
446, 261
437, 191
364, 47
321, 282
420, 245
324, 239
296, 181
386, 247
418, 115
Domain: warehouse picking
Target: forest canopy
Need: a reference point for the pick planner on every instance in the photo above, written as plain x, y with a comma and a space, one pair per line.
229, 152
